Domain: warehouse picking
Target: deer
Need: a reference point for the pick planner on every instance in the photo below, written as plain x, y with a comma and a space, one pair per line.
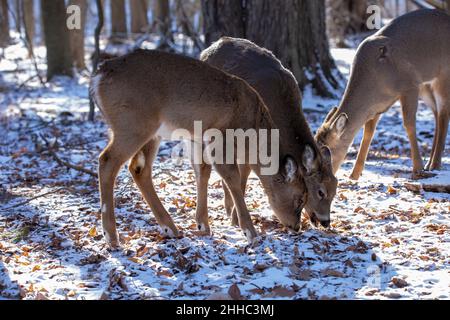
145, 95
280, 92
407, 59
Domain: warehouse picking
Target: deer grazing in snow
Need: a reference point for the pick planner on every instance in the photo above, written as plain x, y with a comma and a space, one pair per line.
281, 94
406, 59
146, 95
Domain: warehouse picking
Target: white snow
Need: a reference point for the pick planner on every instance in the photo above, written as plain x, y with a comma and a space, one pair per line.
52, 247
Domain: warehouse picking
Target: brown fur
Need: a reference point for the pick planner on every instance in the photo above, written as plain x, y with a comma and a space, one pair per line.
407, 59
281, 94
145, 90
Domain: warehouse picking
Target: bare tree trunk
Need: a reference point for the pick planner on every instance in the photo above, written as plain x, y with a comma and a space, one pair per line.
293, 29
4, 24
77, 36
345, 17
98, 30
118, 20
28, 22
139, 19
18, 15
59, 59
163, 21
223, 17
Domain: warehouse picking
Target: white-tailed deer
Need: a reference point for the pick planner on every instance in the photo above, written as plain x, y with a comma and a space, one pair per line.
281, 94
406, 59
146, 95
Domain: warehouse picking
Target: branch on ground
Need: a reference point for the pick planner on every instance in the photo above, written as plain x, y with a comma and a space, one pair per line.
52, 148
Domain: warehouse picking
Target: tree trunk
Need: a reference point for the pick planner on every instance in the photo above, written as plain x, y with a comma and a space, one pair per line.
118, 20
28, 22
18, 15
77, 36
95, 60
59, 59
139, 20
448, 6
223, 17
163, 21
294, 30
345, 17
4, 24
358, 15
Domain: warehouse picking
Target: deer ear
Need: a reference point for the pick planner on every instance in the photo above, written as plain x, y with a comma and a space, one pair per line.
309, 159
290, 170
326, 154
340, 124
331, 114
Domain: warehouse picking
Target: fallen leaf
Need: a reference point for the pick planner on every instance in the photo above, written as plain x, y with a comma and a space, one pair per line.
333, 273
93, 232
165, 273
282, 292
36, 268
399, 282
391, 190
235, 292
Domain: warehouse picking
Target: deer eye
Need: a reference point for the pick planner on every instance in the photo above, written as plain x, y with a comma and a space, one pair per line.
321, 194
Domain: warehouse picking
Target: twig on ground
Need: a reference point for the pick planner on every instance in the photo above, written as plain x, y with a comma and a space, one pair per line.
51, 150
34, 198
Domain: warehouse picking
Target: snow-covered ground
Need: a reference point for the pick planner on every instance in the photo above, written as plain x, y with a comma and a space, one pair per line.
386, 242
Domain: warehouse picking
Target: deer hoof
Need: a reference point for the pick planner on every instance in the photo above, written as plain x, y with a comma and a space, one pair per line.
168, 232
112, 241
251, 235
203, 229
355, 176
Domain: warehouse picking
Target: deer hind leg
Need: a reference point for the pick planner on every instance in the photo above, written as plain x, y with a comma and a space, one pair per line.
443, 116
111, 160
227, 200
230, 174
244, 171
428, 97
141, 168
409, 104
369, 132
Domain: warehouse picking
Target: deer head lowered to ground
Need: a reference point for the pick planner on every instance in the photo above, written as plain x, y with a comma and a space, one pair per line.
281, 94
147, 94
407, 59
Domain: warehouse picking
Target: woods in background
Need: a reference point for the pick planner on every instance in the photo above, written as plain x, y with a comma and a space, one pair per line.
297, 31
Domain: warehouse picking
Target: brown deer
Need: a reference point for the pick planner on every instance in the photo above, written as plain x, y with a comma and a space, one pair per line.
281, 94
146, 95
408, 58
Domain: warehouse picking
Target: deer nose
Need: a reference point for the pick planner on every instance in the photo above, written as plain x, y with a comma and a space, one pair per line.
325, 224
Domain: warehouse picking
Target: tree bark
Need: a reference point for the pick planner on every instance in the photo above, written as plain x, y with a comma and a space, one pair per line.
118, 20
18, 15
163, 20
345, 17
59, 59
95, 60
294, 30
77, 36
139, 19
223, 17
4, 24
28, 22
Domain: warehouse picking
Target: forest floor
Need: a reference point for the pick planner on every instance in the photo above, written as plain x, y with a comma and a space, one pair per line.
385, 243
